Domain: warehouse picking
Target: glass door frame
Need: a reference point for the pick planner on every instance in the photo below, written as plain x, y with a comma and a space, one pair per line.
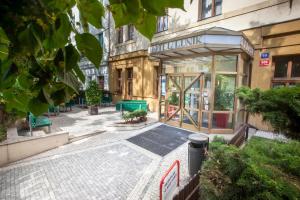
181, 106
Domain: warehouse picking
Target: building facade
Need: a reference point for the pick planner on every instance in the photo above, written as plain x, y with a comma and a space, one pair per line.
132, 74
217, 46
101, 74
199, 56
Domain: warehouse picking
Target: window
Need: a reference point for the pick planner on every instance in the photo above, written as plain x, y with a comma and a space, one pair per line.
101, 82
100, 38
120, 35
162, 23
130, 32
129, 81
119, 81
286, 71
210, 8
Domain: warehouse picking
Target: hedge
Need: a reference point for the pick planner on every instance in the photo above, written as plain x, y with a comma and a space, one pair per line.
138, 114
263, 169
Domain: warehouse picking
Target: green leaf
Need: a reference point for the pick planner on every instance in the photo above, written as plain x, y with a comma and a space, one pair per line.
89, 46
28, 40
60, 5
69, 79
121, 15
79, 73
91, 11
37, 107
61, 32
71, 57
174, 4
4, 43
156, 7
59, 60
146, 25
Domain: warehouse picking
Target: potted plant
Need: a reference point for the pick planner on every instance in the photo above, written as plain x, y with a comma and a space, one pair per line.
173, 101
224, 99
93, 97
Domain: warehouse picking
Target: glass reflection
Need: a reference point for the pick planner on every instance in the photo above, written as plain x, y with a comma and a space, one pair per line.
222, 120
198, 65
226, 63
224, 92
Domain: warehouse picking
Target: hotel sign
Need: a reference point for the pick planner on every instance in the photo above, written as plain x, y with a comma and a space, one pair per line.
230, 41
176, 44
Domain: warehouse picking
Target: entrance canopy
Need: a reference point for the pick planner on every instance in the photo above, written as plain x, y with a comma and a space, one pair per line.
215, 39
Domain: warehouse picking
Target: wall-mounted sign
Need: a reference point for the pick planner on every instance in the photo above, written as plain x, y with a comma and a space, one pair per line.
170, 182
264, 55
264, 59
264, 63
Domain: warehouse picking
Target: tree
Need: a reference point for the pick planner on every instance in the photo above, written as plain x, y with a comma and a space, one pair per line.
39, 61
279, 106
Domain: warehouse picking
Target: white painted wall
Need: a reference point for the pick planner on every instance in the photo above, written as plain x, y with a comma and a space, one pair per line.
236, 15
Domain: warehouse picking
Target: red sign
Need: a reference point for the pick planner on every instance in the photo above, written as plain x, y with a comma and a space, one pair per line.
169, 182
264, 63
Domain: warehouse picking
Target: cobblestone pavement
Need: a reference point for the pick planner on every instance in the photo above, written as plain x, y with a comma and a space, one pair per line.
105, 166
106, 172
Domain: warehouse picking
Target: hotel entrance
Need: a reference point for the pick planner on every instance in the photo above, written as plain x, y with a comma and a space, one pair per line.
183, 100
199, 76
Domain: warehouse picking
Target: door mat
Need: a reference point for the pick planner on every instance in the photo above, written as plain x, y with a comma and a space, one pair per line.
161, 140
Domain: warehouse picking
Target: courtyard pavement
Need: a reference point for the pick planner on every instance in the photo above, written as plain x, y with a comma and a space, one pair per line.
105, 166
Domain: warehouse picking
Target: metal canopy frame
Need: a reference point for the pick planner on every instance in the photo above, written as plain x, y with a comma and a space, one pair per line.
209, 41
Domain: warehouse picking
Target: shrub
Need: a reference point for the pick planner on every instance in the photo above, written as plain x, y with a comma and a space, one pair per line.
3, 135
264, 169
219, 139
279, 106
138, 114
93, 94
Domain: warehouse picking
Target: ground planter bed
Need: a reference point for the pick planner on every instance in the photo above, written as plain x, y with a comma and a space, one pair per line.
131, 105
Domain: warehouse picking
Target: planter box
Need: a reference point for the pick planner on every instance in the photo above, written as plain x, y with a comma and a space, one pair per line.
93, 110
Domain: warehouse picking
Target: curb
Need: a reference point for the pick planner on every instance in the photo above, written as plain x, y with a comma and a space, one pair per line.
73, 138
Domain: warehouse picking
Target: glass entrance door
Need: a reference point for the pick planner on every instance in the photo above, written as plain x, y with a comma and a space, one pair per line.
183, 96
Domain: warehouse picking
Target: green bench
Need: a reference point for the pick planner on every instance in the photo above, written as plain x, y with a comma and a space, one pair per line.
106, 98
131, 105
53, 109
40, 121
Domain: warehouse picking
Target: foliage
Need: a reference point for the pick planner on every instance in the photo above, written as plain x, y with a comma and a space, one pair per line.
219, 139
2, 133
93, 93
40, 46
138, 114
264, 169
279, 106
224, 97
173, 99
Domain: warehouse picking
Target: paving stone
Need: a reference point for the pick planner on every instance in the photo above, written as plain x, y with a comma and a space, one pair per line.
109, 172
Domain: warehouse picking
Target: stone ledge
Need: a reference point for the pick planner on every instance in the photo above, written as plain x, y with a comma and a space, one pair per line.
11, 151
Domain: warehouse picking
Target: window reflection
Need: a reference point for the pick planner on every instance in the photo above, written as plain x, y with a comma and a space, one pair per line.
206, 8
198, 65
224, 92
226, 63
222, 120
